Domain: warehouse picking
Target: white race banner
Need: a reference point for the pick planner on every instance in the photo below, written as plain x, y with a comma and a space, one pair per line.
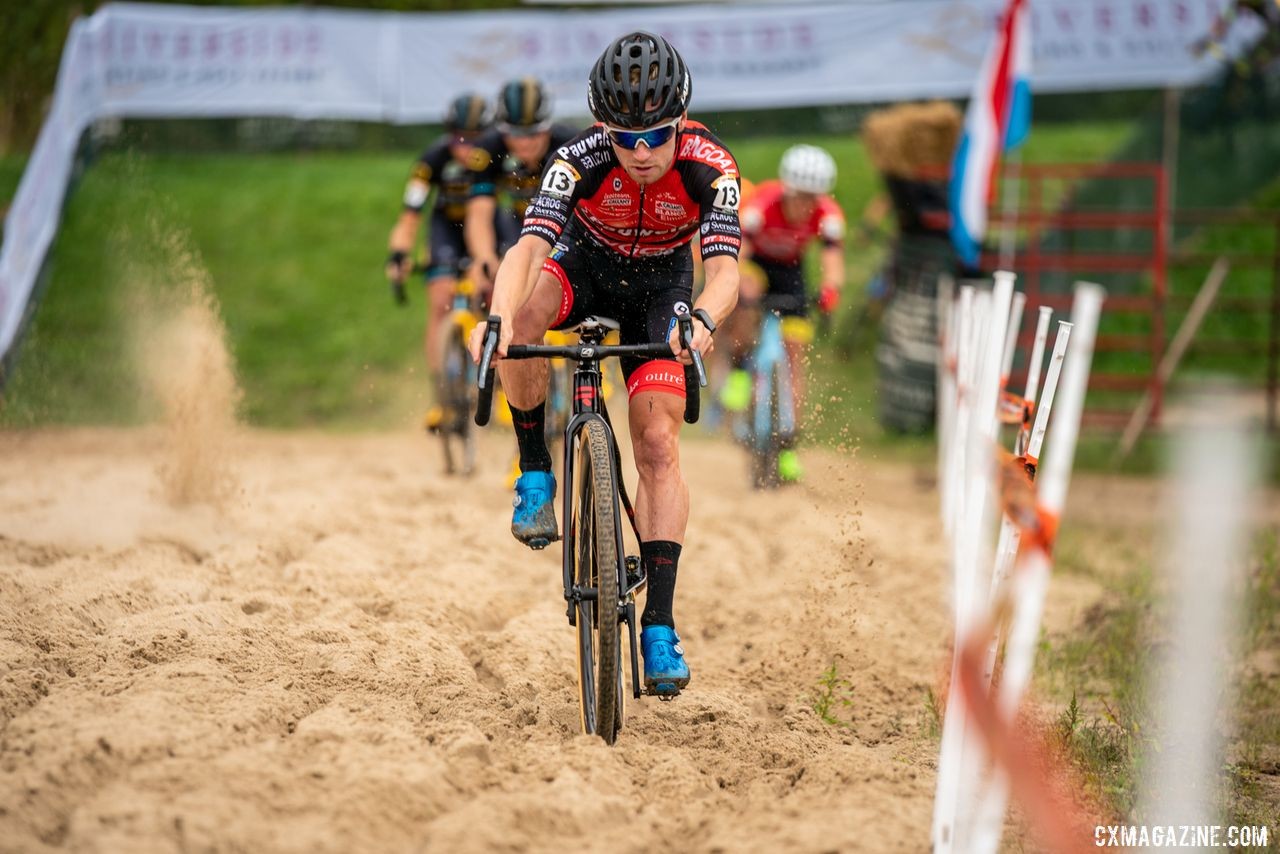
138, 60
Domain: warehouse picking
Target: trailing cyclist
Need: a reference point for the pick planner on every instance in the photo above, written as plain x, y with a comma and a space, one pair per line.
779, 221
510, 160
609, 233
445, 168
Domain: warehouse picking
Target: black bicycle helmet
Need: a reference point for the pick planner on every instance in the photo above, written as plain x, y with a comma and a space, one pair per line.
639, 81
468, 113
523, 103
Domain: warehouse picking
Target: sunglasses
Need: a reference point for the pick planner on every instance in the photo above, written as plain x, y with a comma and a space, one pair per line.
523, 130
651, 137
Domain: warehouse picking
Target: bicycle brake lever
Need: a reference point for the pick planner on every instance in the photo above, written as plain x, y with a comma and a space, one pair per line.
685, 322
484, 379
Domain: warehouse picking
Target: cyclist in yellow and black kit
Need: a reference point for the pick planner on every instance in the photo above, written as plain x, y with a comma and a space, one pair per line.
446, 168
509, 162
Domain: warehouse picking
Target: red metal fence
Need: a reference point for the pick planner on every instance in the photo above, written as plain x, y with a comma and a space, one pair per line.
1111, 223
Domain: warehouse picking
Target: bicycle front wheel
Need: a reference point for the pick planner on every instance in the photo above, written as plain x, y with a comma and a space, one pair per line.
765, 426
596, 569
457, 398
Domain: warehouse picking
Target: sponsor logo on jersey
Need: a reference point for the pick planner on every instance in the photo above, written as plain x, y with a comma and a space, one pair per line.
591, 161
617, 183
669, 210
415, 193
616, 200
584, 145
705, 151
831, 228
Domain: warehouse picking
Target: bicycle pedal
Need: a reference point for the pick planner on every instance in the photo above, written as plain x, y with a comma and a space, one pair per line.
664, 691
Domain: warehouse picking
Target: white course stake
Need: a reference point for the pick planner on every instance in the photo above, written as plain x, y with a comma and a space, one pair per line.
1033, 371
1031, 578
1010, 534
1011, 336
957, 761
1207, 556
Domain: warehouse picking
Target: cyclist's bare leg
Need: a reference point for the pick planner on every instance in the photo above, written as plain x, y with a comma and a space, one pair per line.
439, 296
525, 380
662, 500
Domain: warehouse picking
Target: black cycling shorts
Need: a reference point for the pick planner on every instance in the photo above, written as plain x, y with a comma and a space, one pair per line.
785, 279
448, 246
448, 249
642, 294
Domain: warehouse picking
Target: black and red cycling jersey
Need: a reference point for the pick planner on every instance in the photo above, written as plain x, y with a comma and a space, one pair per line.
700, 193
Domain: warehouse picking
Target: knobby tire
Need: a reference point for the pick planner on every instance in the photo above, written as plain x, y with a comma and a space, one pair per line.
596, 566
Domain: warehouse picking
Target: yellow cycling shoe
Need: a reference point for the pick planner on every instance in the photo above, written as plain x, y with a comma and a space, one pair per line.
789, 468
433, 420
735, 394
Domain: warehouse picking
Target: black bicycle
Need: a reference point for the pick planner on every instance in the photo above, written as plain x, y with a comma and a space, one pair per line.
600, 579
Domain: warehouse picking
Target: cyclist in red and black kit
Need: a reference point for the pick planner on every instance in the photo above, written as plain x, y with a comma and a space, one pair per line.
510, 160
779, 222
445, 168
609, 234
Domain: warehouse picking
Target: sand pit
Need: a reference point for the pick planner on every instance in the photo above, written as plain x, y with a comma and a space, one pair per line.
351, 653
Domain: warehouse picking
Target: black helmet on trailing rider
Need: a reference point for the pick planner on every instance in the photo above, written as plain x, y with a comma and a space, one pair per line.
524, 107
640, 81
468, 115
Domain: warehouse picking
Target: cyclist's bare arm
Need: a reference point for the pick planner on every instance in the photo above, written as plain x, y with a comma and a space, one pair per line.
516, 279
719, 296
401, 240
831, 262
481, 239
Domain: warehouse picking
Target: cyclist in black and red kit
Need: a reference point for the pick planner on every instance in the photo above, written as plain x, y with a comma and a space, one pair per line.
609, 234
509, 161
445, 168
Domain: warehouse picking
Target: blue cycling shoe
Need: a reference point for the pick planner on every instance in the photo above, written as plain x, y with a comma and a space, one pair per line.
665, 672
534, 520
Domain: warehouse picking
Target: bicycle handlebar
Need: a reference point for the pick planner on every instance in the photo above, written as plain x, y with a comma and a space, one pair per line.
695, 375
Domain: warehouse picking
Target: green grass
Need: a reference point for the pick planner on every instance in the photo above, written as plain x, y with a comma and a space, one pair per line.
1095, 678
294, 245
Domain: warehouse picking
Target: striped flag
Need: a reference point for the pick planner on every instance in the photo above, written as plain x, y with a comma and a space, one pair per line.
998, 119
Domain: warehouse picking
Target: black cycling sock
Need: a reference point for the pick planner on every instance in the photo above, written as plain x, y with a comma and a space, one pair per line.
660, 559
529, 425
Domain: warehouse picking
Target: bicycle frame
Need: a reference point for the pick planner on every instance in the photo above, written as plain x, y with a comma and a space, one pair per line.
770, 358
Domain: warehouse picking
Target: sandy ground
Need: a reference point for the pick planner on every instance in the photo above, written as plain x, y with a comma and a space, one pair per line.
346, 651
351, 653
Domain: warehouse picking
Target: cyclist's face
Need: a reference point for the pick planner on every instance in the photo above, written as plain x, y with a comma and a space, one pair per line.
797, 206
646, 165
530, 148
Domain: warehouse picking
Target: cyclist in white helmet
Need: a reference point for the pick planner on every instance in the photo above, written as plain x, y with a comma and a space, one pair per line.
779, 221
